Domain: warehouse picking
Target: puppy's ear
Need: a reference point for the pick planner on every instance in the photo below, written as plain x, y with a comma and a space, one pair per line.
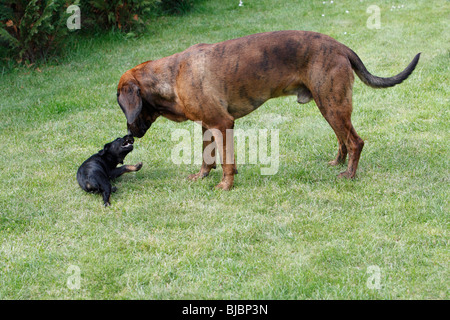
129, 99
105, 149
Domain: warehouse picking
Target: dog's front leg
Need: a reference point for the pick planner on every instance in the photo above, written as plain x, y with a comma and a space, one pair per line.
117, 172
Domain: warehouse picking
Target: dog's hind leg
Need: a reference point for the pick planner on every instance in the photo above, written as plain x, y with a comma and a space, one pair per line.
348, 141
90, 187
342, 151
106, 192
210, 161
104, 187
333, 96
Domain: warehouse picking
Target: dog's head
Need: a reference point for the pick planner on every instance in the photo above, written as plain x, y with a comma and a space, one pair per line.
117, 150
138, 114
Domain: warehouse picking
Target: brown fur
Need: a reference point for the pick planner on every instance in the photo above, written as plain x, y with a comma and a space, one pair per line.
219, 83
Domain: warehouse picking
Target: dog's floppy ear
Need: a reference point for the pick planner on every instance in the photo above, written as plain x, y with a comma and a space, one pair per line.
129, 99
105, 149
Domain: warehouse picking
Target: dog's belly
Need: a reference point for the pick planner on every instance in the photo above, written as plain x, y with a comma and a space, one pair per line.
241, 106
252, 87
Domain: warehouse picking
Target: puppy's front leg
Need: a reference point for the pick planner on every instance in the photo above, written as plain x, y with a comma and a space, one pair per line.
117, 172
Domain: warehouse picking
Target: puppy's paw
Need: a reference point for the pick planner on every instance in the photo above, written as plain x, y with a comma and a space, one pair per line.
107, 204
138, 166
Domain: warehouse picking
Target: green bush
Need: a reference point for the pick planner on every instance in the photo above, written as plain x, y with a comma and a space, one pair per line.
121, 14
32, 30
177, 6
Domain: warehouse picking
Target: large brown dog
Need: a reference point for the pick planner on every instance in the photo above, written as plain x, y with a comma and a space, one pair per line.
218, 83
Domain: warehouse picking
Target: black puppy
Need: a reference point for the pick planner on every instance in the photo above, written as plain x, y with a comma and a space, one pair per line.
95, 173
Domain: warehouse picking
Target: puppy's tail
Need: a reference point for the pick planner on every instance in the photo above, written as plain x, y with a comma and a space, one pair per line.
379, 82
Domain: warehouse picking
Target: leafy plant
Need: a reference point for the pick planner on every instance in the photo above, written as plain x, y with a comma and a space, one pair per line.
32, 29
121, 14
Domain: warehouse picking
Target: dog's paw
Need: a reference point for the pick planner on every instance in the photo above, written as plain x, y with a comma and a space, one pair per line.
138, 166
346, 175
224, 186
334, 163
196, 176
337, 162
107, 204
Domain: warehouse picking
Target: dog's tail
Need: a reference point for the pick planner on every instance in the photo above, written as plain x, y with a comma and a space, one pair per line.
379, 82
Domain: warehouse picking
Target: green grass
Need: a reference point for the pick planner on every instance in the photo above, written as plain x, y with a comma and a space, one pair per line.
299, 234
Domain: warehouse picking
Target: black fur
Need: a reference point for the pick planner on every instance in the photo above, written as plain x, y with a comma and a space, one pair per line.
95, 174
379, 82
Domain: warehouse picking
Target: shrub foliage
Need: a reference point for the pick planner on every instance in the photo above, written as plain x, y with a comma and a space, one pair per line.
121, 14
34, 29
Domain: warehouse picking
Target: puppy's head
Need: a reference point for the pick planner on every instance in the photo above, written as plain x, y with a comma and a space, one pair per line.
118, 149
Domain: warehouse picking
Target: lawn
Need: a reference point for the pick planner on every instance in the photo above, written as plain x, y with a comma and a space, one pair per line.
299, 234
